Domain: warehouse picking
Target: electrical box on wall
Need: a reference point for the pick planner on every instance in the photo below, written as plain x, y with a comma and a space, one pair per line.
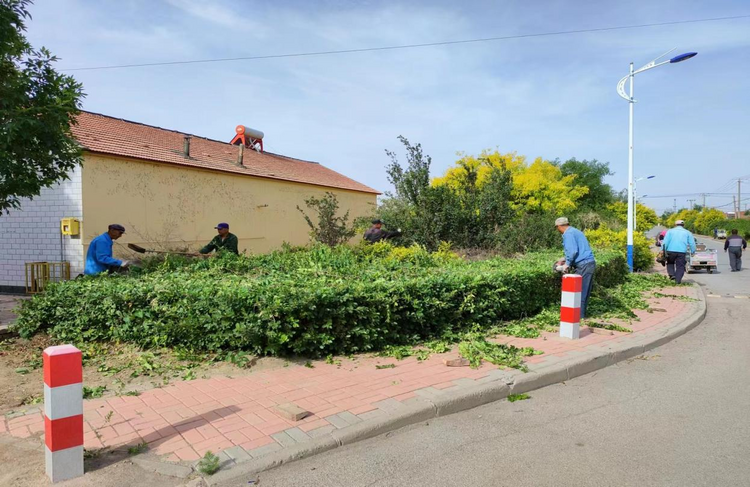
70, 226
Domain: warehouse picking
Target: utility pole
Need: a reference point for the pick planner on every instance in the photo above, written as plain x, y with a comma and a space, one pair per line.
734, 205
704, 201
739, 199
674, 206
691, 204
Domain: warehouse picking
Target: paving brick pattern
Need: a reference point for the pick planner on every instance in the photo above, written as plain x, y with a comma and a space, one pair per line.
186, 419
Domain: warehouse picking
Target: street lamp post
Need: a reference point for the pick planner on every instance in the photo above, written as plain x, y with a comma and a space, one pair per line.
635, 197
631, 102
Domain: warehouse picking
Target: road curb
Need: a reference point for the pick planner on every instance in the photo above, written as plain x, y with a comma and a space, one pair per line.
498, 385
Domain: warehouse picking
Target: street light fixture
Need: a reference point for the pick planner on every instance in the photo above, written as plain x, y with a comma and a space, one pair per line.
631, 102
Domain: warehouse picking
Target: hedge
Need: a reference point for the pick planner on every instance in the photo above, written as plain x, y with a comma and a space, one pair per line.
310, 302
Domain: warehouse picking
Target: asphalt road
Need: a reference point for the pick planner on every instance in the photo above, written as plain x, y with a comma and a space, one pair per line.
679, 416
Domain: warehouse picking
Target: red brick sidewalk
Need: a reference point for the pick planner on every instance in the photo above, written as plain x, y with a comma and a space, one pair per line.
184, 420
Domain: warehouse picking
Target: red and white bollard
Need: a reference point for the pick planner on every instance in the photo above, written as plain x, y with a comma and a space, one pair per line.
63, 412
570, 306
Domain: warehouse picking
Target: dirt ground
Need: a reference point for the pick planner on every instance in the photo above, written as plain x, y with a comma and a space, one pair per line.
23, 466
112, 370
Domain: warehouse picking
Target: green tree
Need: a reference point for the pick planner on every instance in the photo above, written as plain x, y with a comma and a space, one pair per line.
37, 107
469, 212
330, 229
590, 174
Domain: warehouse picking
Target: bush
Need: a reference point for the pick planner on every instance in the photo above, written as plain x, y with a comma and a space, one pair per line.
742, 227
604, 238
310, 302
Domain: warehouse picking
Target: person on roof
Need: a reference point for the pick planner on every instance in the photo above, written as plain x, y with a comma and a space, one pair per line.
677, 243
376, 233
99, 256
223, 241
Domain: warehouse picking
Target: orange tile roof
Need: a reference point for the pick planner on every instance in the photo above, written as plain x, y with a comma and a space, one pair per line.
108, 135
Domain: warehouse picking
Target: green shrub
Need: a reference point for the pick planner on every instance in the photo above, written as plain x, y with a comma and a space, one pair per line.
310, 302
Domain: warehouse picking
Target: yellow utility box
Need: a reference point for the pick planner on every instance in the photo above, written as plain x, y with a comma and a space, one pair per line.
70, 226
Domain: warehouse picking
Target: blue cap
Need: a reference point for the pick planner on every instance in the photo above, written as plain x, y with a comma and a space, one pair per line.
222, 225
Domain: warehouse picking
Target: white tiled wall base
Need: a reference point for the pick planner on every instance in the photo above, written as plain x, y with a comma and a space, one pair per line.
32, 233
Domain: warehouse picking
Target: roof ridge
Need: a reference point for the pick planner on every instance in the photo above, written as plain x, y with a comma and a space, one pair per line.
191, 135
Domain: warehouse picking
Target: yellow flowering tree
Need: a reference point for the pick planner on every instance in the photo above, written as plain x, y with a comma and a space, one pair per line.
645, 216
538, 187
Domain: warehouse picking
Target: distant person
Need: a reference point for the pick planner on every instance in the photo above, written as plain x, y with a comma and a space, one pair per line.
376, 233
99, 256
716, 232
734, 245
677, 243
579, 257
660, 238
223, 241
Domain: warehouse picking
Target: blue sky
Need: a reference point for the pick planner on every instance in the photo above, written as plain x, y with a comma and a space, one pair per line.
552, 97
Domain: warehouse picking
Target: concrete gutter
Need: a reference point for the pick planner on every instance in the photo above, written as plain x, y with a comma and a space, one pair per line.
431, 403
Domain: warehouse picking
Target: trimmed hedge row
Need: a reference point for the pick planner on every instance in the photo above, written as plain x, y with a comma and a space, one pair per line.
302, 302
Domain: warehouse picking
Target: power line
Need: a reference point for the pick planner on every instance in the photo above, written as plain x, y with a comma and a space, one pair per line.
690, 194
408, 46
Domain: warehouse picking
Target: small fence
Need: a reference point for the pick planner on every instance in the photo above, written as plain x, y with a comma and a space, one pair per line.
40, 274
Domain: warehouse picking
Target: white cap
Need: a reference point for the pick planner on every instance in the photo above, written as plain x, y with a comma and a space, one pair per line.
561, 221
679, 222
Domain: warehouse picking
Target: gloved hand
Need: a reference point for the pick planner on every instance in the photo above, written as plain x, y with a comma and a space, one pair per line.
125, 263
565, 267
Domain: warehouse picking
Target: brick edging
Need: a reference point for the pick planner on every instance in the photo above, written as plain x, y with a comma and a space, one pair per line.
496, 386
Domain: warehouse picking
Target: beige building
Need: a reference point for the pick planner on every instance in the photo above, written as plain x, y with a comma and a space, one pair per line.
169, 190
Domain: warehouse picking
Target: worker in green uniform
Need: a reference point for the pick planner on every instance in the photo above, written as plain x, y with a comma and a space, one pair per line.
223, 241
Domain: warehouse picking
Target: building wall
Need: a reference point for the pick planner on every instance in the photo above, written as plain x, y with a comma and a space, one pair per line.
171, 207
32, 233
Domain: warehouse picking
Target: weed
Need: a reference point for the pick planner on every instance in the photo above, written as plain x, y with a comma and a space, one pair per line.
309, 365
139, 448
209, 464
93, 392
386, 366
33, 399
108, 417
132, 393
518, 397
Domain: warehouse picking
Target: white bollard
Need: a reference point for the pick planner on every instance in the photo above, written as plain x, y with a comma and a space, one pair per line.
63, 412
570, 306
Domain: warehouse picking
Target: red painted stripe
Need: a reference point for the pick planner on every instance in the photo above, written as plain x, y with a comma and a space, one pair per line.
63, 433
572, 283
570, 315
62, 366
